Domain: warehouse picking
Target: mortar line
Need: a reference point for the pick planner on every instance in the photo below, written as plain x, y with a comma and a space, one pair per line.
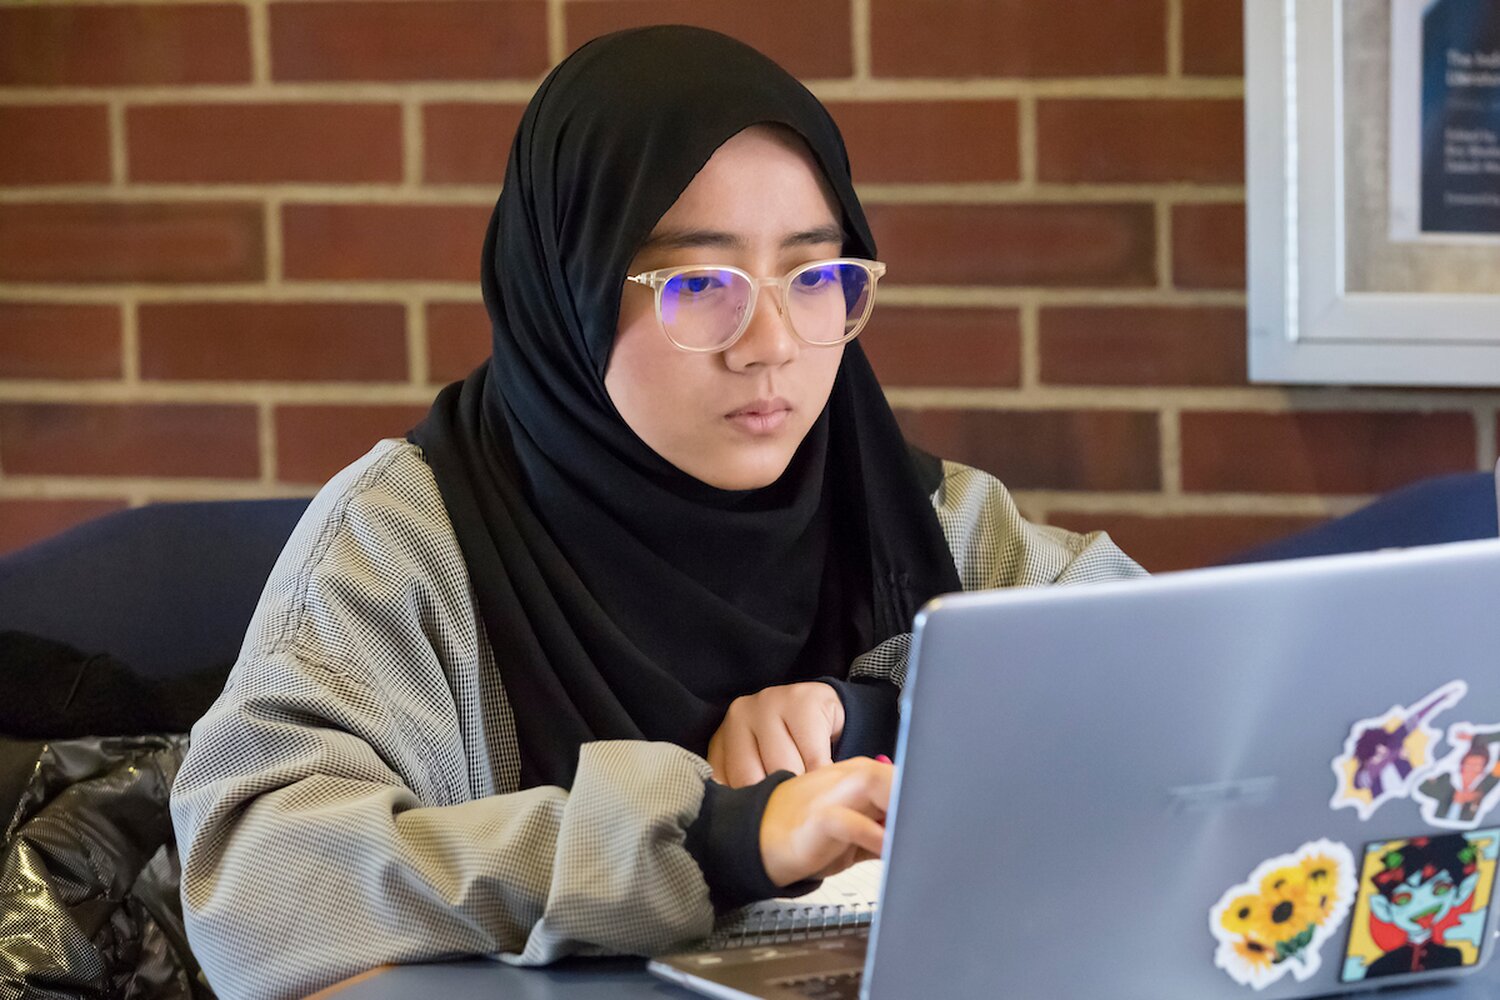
1174, 39
416, 342
859, 28
557, 31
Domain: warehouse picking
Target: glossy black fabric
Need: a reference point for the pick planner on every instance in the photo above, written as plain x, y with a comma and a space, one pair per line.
624, 598
89, 875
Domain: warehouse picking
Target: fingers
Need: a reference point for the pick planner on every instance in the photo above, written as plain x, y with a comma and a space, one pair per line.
847, 826
715, 757
778, 749
742, 765
789, 727
809, 731
825, 820
865, 785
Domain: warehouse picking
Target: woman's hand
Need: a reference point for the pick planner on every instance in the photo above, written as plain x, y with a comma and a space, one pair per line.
791, 727
820, 823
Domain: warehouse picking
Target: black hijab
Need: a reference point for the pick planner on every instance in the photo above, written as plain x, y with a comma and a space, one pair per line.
625, 599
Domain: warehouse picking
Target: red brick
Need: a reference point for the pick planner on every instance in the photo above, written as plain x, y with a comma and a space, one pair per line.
46, 340
250, 143
1322, 452
131, 241
1082, 244
23, 522
458, 339
54, 144
953, 38
278, 341
936, 141
57, 44
314, 442
1143, 141
467, 143
812, 39
971, 348
1045, 449
383, 242
1142, 345
131, 439
1208, 246
1213, 37
409, 40
1185, 541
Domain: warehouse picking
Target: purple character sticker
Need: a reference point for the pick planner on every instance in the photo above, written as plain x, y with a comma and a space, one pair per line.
1385, 756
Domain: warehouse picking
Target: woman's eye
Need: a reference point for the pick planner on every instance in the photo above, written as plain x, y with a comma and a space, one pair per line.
1401, 898
1441, 889
698, 284
815, 278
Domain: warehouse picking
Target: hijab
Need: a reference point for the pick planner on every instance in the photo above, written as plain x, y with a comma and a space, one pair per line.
625, 599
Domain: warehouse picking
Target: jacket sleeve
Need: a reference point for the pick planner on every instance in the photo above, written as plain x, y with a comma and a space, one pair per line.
350, 799
993, 546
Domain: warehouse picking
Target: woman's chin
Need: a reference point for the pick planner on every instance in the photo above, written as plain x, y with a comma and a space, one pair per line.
743, 472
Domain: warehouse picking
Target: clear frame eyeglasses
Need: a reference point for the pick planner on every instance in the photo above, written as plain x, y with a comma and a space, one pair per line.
705, 308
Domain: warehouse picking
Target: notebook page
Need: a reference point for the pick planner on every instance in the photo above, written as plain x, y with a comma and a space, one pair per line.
857, 885
845, 900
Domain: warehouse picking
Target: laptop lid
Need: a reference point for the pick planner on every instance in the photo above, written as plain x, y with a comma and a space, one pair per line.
1215, 784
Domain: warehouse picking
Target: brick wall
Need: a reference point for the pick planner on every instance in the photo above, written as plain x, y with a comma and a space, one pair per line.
239, 242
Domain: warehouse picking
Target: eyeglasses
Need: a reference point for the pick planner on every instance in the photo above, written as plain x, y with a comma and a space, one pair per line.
705, 308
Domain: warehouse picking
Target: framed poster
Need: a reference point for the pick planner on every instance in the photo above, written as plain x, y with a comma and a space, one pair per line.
1445, 120
1373, 188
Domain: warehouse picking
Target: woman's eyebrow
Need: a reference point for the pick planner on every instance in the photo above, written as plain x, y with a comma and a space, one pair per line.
823, 234
688, 239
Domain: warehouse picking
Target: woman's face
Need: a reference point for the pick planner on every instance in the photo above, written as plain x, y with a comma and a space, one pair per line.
731, 419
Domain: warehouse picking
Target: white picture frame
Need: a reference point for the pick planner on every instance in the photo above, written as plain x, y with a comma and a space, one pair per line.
1305, 327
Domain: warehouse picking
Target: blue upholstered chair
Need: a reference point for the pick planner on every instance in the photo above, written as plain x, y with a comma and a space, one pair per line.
1450, 508
167, 588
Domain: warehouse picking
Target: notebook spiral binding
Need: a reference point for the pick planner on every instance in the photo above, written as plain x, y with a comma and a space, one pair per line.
791, 923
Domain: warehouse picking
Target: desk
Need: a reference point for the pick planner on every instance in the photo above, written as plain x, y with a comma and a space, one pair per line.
482, 979
627, 979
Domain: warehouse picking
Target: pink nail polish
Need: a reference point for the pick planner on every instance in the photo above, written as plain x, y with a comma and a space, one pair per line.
882, 758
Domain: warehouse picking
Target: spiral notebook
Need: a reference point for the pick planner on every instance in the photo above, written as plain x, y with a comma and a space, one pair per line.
846, 900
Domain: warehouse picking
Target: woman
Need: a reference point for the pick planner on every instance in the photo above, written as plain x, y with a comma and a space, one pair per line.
569, 670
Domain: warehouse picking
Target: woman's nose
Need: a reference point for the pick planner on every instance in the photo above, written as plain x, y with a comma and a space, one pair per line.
768, 340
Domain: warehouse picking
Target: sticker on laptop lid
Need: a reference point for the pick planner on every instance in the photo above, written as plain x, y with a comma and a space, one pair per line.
1464, 786
1276, 921
1423, 905
1386, 756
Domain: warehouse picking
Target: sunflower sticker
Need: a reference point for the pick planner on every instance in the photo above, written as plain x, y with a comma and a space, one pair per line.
1275, 922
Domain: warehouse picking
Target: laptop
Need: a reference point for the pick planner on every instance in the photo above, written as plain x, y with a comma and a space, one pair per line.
1275, 780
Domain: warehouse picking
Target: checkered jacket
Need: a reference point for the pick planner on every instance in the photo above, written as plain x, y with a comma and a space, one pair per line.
352, 797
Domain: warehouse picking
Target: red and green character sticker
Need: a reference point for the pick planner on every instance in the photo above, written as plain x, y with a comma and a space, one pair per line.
1275, 922
1423, 905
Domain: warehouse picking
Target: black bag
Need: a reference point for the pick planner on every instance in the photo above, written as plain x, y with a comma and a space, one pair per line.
89, 875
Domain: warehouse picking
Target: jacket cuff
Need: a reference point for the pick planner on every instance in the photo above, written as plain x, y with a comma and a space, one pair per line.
725, 841
871, 718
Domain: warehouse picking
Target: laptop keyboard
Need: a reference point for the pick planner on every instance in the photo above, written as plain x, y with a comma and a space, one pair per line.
837, 986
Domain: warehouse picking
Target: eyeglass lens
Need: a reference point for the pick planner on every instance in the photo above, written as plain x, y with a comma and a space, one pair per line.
704, 307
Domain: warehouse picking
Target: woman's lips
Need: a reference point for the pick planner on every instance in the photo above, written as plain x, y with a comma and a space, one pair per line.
764, 416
